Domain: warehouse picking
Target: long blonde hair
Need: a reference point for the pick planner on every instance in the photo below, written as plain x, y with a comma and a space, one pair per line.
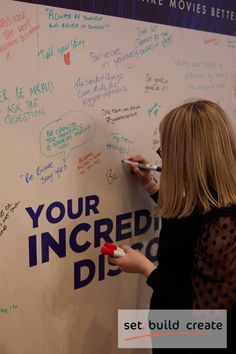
198, 149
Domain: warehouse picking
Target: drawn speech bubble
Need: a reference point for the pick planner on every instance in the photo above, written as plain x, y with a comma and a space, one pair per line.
68, 132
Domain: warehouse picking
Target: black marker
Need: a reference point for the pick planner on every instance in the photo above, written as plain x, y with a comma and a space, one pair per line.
145, 166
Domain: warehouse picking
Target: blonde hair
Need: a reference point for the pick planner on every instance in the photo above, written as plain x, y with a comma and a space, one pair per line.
198, 149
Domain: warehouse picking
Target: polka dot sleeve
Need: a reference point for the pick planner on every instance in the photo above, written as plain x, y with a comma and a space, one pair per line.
214, 275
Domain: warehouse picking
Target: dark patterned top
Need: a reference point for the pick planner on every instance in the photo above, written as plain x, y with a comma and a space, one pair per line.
214, 274
197, 265
196, 262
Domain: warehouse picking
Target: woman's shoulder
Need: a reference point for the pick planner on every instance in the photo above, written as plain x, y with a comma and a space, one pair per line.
216, 213
219, 221
220, 228
218, 237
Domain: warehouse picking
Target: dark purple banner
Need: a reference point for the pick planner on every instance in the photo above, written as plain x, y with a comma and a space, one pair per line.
217, 16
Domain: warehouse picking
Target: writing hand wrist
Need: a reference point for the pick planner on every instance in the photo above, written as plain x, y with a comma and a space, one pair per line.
151, 186
148, 268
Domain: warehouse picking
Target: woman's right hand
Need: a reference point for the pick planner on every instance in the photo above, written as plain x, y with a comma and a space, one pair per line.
143, 176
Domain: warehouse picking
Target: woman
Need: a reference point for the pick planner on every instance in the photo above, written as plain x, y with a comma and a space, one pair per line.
196, 200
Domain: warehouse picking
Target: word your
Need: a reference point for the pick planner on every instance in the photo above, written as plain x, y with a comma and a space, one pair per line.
119, 143
44, 173
72, 20
93, 234
16, 29
50, 52
88, 161
66, 133
156, 84
116, 114
5, 214
93, 89
7, 309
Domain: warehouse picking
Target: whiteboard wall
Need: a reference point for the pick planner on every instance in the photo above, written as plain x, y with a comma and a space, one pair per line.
79, 92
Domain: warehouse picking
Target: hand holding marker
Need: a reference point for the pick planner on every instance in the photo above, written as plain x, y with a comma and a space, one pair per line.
112, 250
109, 248
145, 166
